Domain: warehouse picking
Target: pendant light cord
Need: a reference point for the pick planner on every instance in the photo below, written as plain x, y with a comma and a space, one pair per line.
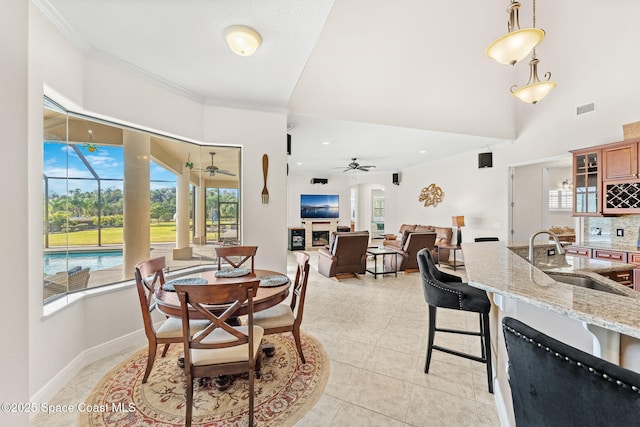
534, 25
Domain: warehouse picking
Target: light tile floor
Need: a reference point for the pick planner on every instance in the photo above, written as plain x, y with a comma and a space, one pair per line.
374, 331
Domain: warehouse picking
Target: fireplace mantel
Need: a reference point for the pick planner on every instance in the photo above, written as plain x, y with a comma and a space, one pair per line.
317, 224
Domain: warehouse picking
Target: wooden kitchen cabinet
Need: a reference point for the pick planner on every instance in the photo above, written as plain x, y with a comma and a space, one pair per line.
620, 161
578, 251
625, 278
607, 255
587, 182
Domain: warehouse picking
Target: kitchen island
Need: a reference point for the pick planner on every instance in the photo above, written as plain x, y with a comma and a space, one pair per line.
601, 323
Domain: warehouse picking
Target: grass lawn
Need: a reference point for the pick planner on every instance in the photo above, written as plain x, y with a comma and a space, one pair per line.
160, 233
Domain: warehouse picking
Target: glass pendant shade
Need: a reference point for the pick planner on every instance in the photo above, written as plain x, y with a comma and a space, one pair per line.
514, 46
242, 40
535, 90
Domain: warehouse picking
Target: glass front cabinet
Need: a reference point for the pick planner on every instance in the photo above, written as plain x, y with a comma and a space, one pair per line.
587, 182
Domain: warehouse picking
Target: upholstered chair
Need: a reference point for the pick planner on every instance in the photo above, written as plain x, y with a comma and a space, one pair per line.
407, 260
556, 385
446, 291
346, 257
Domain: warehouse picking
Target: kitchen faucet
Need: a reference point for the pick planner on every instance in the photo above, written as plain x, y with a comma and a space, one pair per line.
559, 247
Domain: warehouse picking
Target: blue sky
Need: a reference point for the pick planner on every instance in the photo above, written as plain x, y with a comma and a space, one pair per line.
107, 161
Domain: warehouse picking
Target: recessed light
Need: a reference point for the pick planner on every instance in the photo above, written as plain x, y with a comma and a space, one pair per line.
326, 143
422, 151
298, 163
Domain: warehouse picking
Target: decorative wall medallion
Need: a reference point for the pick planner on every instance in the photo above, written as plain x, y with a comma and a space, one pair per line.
431, 195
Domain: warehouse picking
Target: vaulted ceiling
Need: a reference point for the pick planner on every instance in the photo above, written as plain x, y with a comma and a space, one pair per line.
391, 83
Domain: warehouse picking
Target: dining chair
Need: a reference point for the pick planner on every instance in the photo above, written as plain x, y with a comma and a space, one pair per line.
221, 348
288, 317
230, 254
443, 290
149, 276
555, 384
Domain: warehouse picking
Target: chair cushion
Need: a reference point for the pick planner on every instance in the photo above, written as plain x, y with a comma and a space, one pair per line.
409, 227
405, 236
275, 317
172, 327
236, 353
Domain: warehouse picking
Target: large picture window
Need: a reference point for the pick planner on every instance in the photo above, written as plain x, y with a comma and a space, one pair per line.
84, 201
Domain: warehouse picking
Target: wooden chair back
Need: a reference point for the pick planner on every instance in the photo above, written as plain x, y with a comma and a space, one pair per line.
196, 298
300, 286
231, 253
149, 277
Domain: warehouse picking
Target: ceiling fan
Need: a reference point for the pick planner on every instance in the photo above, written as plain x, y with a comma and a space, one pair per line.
213, 170
354, 165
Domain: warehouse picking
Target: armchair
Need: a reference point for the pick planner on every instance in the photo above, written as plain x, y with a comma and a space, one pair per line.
443, 238
346, 255
407, 256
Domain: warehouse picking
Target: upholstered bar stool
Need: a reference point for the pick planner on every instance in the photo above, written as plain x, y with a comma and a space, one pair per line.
556, 385
443, 290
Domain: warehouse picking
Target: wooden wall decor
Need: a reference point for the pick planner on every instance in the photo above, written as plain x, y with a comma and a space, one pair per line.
431, 195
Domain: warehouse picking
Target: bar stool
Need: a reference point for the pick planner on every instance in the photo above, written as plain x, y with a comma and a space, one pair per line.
554, 384
443, 290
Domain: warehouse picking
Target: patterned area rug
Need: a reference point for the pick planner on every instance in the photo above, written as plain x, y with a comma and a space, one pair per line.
284, 393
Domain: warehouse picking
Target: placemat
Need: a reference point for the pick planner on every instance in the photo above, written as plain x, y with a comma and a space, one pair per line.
273, 281
168, 286
234, 272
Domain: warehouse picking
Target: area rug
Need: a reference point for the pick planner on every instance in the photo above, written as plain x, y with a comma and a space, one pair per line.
286, 390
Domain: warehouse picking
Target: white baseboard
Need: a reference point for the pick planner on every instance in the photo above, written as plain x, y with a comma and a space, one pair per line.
106, 349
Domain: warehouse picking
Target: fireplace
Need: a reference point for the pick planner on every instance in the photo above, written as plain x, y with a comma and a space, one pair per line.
319, 238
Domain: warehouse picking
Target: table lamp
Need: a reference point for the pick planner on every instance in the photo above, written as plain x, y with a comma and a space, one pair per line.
458, 221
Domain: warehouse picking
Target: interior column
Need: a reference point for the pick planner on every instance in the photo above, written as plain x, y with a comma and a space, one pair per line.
182, 249
137, 200
200, 215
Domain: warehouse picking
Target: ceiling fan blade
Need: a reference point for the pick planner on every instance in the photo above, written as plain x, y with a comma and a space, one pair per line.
347, 170
368, 166
223, 172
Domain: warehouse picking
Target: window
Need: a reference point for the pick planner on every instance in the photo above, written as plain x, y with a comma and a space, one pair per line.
84, 202
560, 200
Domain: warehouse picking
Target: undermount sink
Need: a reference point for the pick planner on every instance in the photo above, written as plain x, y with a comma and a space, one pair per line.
585, 282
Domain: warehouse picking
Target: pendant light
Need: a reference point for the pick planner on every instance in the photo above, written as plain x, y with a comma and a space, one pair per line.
535, 90
517, 43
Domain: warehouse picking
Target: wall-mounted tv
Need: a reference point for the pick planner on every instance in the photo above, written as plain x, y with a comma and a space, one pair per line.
319, 206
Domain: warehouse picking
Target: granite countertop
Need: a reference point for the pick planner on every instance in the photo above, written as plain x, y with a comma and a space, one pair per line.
492, 266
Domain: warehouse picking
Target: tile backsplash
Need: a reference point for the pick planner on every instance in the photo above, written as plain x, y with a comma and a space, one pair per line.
608, 229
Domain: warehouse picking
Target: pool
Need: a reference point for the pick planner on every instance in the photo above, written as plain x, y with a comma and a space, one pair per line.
95, 260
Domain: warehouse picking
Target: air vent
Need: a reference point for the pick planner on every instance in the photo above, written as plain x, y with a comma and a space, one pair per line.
586, 108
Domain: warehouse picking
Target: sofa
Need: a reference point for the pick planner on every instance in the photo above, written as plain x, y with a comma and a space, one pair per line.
346, 254
444, 236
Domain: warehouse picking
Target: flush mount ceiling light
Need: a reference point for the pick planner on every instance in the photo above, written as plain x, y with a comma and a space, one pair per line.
517, 43
242, 40
535, 90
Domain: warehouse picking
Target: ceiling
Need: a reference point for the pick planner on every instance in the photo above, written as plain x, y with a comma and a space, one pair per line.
393, 84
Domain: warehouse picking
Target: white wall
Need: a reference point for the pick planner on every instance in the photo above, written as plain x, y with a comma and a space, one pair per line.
98, 87
301, 184
14, 167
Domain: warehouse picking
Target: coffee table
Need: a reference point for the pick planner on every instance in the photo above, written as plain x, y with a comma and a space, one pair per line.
375, 253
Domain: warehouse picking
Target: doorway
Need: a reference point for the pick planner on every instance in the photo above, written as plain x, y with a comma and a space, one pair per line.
541, 198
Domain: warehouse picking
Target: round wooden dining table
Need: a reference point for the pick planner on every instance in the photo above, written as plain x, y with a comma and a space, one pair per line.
168, 302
